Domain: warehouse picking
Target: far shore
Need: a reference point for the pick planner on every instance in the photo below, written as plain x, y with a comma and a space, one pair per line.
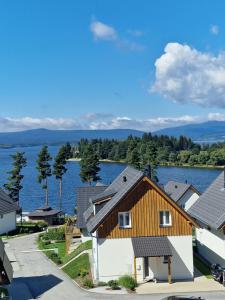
161, 165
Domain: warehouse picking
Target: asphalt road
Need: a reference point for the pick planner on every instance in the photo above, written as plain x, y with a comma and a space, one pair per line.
37, 277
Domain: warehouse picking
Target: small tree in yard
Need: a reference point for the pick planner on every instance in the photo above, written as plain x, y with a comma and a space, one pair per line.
60, 168
44, 169
14, 185
89, 165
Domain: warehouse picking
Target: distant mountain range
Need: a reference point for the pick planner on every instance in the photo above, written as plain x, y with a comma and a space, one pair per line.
55, 137
208, 132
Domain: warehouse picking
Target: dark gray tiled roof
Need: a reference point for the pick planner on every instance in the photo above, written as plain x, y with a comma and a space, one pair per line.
176, 189
210, 206
151, 246
105, 194
132, 176
45, 212
84, 195
7, 205
5, 261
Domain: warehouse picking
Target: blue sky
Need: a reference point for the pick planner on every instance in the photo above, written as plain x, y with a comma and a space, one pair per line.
111, 64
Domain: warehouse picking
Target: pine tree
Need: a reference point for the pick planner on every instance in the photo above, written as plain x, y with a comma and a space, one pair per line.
68, 150
89, 165
151, 160
60, 168
14, 185
44, 169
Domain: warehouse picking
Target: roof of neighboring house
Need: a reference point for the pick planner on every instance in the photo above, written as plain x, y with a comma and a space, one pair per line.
7, 205
210, 206
176, 189
105, 194
122, 184
153, 246
45, 211
84, 196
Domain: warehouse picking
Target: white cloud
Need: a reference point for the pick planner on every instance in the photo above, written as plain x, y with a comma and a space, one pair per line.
102, 31
103, 121
105, 32
214, 29
186, 75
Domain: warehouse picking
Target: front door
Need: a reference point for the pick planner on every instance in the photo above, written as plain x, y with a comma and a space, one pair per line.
146, 267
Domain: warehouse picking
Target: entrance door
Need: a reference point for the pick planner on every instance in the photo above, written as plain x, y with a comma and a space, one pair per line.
146, 267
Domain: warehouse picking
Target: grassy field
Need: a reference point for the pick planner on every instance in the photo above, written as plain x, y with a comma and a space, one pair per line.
84, 246
202, 267
81, 264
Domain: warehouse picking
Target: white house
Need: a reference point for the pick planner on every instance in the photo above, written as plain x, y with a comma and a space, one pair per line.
137, 229
183, 193
8, 209
209, 211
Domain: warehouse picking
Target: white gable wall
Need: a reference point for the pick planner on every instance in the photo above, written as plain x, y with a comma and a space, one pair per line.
7, 222
211, 245
188, 199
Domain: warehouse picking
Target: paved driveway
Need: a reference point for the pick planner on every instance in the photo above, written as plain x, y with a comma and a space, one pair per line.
37, 277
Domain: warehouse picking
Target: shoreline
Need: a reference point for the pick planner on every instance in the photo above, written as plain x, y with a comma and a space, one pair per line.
211, 167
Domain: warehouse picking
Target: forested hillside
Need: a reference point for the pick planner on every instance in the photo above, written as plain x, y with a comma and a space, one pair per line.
155, 150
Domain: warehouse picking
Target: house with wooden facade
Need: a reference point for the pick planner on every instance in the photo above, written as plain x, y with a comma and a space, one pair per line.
184, 194
137, 229
209, 211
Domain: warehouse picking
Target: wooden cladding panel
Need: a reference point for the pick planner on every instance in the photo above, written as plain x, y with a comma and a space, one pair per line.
144, 203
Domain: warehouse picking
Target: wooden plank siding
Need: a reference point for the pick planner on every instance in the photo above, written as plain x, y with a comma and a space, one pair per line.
144, 202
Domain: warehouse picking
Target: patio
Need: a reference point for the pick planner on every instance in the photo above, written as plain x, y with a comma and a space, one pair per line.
200, 284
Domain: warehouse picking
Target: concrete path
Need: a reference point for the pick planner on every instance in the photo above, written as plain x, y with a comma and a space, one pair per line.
37, 277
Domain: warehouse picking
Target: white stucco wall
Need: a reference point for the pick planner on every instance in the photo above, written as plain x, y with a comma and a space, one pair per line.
211, 245
115, 257
85, 236
188, 199
8, 222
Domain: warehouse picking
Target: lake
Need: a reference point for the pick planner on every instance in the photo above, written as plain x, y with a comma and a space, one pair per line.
32, 196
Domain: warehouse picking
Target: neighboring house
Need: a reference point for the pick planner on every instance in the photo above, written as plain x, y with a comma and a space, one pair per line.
137, 229
85, 207
209, 211
6, 270
47, 214
8, 210
184, 194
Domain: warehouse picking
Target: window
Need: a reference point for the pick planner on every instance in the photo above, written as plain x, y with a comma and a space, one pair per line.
165, 218
124, 219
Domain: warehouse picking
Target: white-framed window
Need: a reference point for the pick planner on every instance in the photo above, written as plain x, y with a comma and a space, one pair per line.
124, 219
165, 218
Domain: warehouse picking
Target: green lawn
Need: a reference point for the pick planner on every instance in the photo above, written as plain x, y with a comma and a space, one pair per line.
77, 266
61, 246
202, 267
84, 246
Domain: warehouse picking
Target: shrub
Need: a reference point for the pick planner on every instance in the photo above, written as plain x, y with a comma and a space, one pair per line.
83, 272
3, 293
102, 283
55, 258
54, 234
113, 284
88, 283
128, 282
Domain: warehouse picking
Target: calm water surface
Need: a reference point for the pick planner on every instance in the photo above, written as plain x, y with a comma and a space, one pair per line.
32, 196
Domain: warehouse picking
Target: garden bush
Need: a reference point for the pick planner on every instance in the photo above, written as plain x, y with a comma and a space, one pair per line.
102, 283
88, 283
55, 234
128, 282
113, 284
83, 272
3, 293
55, 258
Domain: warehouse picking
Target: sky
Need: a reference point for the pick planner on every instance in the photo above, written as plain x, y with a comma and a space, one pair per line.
96, 64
